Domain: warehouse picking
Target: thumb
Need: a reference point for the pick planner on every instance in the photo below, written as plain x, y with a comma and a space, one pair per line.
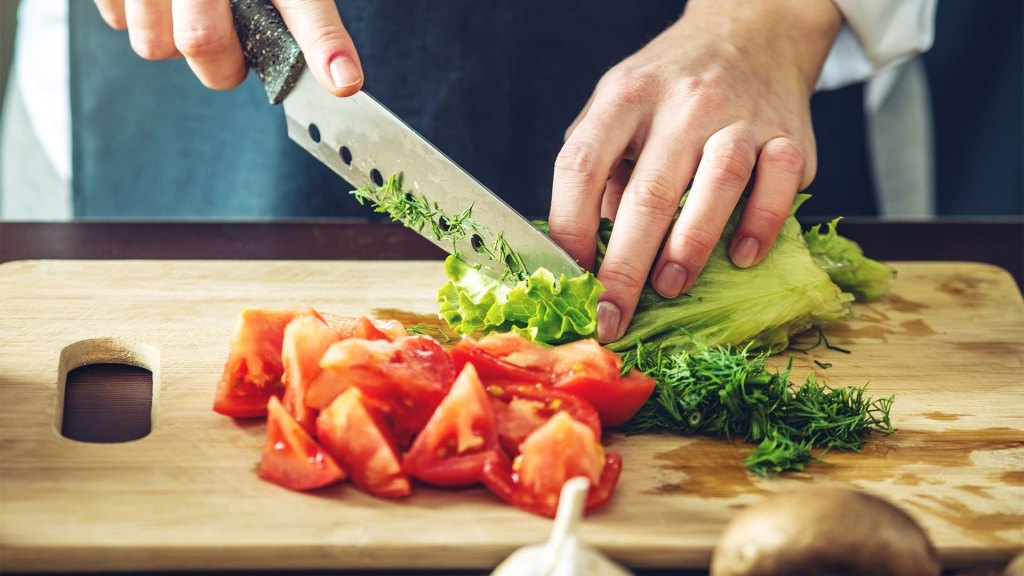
327, 46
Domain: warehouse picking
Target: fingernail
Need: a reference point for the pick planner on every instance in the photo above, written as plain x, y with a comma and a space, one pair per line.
608, 317
344, 72
671, 279
744, 252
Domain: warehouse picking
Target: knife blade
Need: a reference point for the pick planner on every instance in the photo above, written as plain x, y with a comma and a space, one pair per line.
364, 142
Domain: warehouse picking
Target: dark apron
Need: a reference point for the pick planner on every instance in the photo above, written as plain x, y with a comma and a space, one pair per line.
493, 84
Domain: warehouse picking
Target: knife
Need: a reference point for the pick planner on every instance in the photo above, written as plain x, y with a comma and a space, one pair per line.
364, 143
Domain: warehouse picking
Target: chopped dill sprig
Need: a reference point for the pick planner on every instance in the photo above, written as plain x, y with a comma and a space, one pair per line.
436, 332
729, 391
418, 213
821, 340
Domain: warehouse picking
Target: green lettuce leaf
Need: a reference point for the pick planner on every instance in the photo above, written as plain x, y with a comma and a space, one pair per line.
785, 293
540, 308
846, 264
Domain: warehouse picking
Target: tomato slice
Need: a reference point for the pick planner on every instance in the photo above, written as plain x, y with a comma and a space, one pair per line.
590, 371
291, 458
406, 379
559, 450
451, 449
363, 327
306, 338
504, 356
252, 373
357, 437
327, 386
519, 409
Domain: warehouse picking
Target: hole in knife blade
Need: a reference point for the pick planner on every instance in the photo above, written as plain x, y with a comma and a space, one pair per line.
346, 155
444, 224
477, 242
314, 133
375, 175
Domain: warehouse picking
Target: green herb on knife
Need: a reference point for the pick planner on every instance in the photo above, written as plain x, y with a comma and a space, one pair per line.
418, 213
730, 391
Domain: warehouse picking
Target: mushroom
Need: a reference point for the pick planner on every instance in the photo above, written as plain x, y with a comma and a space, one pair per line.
824, 530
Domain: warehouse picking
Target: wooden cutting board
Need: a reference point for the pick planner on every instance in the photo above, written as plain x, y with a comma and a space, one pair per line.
948, 343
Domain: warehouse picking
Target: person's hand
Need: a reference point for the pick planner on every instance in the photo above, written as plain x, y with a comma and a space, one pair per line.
725, 87
202, 32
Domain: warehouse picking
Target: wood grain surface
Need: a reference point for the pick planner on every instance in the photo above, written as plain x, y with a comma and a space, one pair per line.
948, 343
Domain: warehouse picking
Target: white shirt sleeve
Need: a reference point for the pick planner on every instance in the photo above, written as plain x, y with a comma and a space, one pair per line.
42, 65
877, 35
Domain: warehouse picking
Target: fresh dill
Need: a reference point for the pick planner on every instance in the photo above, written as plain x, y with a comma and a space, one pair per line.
418, 213
822, 339
730, 391
435, 332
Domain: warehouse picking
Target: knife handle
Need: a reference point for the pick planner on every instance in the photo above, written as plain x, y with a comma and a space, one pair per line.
269, 48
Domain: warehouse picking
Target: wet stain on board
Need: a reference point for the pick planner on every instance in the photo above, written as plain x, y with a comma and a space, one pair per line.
1000, 349
943, 416
1011, 477
901, 304
692, 462
713, 467
980, 525
980, 491
916, 328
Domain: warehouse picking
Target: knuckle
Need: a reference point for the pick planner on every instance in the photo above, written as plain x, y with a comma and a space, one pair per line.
203, 42
653, 195
577, 158
114, 19
327, 39
731, 165
624, 276
773, 215
629, 86
154, 48
570, 232
786, 156
698, 242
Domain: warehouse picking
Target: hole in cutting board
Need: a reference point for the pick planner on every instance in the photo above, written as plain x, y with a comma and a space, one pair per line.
107, 391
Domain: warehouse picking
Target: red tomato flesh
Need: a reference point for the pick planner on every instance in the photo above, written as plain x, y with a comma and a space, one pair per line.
590, 371
504, 357
519, 409
559, 450
291, 458
406, 379
306, 338
363, 327
356, 436
252, 373
451, 449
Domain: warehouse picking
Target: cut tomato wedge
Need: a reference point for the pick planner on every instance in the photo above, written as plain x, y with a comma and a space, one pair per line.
306, 338
588, 370
406, 379
559, 450
363, 327
505, 357
357, 437
252, 373
520, 409
327, 386
451, 449
291, 458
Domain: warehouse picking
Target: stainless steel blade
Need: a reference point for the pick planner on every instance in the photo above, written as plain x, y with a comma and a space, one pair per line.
363, 141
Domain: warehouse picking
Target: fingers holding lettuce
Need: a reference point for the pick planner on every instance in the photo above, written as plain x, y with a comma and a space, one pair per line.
720, 99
